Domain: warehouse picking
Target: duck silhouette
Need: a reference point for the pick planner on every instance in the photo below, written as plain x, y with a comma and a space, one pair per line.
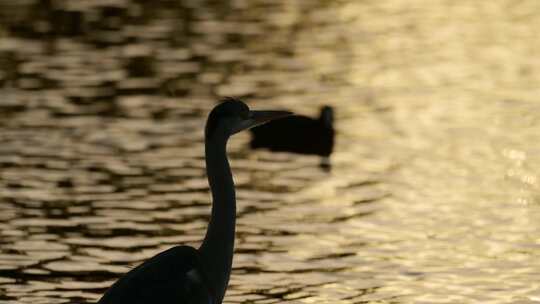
298, 134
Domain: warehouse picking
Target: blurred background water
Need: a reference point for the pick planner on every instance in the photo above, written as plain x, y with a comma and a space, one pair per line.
433, 193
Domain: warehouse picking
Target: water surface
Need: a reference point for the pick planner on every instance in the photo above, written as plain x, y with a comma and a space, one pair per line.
433, 192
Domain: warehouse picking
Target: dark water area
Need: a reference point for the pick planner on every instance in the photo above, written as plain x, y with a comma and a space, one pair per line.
433, 192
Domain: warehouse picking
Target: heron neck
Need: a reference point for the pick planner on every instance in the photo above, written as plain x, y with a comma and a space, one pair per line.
218, 245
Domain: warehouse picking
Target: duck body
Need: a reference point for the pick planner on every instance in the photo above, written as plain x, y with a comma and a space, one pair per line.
297, 134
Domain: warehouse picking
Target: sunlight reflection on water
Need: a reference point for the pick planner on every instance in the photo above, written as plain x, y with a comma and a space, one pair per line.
432, 196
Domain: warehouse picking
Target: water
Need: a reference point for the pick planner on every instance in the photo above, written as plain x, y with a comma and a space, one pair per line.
433, 192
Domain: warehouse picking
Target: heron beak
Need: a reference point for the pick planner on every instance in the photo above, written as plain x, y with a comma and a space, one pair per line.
257, 118
260, 117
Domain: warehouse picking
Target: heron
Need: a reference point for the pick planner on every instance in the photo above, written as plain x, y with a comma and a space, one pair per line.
183, 274
298, 134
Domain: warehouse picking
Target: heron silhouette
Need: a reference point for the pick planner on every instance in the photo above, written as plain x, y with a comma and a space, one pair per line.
183, 274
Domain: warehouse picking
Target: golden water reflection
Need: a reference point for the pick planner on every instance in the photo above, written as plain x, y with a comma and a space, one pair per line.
432, 197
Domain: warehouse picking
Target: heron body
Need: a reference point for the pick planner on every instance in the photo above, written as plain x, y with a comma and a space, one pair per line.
183, 274
183, 280
297, 134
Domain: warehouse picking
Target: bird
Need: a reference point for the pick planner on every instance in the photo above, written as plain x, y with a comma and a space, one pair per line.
188, 275
298, 134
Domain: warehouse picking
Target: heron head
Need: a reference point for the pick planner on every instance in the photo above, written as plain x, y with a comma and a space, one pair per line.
232, 116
